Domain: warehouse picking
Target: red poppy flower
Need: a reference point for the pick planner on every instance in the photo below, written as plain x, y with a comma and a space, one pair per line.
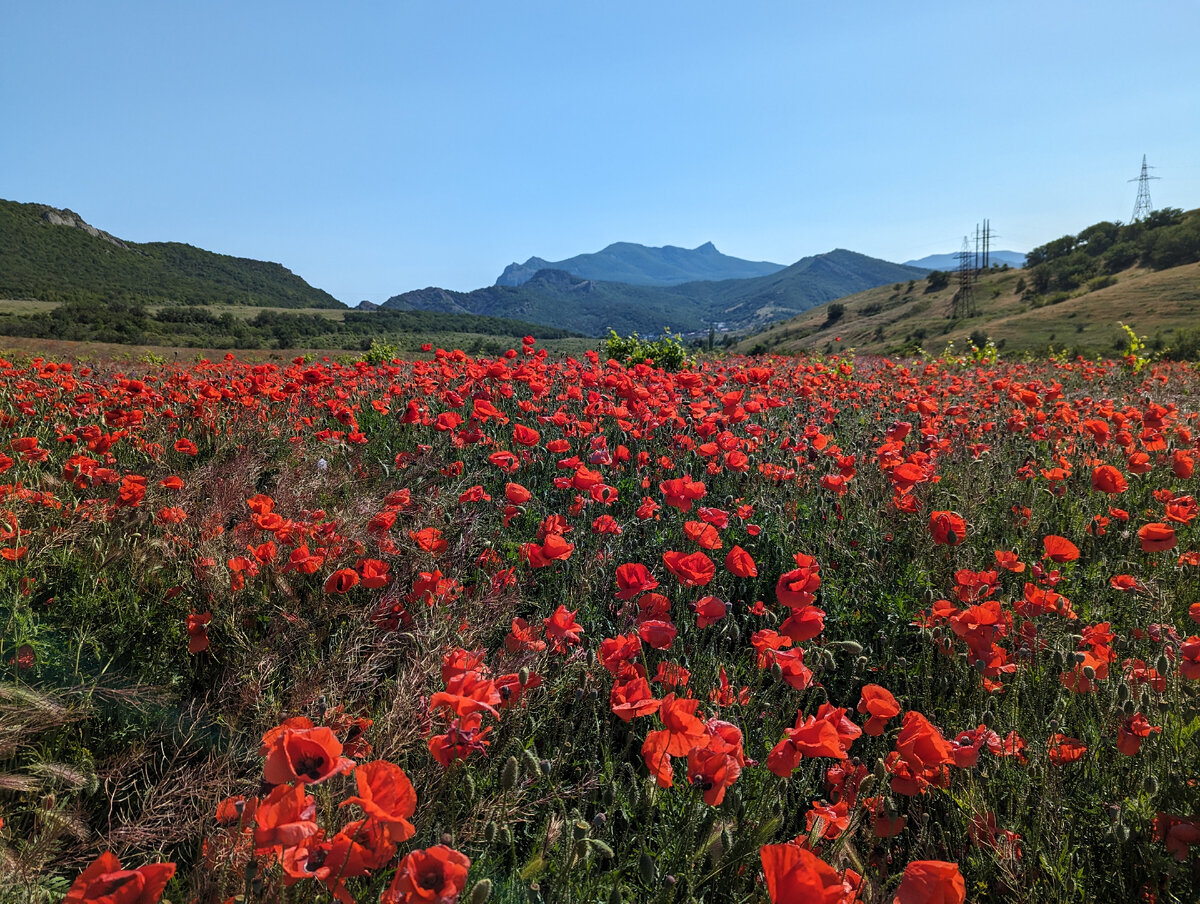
633, 579
692, 569
931, 882
947, 528
562, 629
341, 581
797, 876
1060, 549
429, 539
1063, 750
297, 752
879, 703
104, 882
1157, 537
740, 563
284, 818
435, 875
387, 796
197, 631
1107, 479
525, 436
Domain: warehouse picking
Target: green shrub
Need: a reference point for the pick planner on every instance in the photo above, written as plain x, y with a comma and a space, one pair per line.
667, 352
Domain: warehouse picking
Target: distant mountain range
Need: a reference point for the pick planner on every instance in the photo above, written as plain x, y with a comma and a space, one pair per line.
950, 261
53, 255
640, 265
592, 306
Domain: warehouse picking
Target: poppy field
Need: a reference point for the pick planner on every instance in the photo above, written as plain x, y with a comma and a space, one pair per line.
544, 629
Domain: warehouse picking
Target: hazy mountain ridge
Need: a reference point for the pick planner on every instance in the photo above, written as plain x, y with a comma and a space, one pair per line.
643, 265
950, 261
561, 299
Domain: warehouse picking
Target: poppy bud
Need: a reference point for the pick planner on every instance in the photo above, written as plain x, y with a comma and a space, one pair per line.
865, 786
1122, 693
1129, 707
523, 675
1150, 785
489, 831
776, 671
1089, 673
889, 808
531, 761
1054, 724
852, 647
1163, 665
860, 663
1058, 659
614, 896
506, 836
481, 892
508, 776
733, 631
1145, 700
251, 870
646, 869
447, 839
601, 848
880, 772
988, 717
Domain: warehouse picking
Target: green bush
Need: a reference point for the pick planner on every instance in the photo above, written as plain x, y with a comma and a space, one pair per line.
667, 352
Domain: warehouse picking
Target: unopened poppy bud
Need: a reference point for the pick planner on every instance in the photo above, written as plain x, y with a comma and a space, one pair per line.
581, 849
734, 632
1122, 693
776, 671
1080, 658
531, 761
865, 786
490, 831
1145, 700
601, 848
508, 776
880, 772
469, 784
646, 869
506, 835
889, 808
1058, 659
988, 717
1129, 707
1054, 724
523, 675
481, 892
860, 663
1163, 665
1150, 785
447, 838
851, 647
251, 870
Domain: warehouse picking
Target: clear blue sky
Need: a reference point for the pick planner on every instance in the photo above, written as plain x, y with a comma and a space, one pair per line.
379, 147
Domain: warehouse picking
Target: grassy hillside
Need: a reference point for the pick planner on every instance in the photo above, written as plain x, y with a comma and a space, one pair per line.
559, 299
898, 318
45, 260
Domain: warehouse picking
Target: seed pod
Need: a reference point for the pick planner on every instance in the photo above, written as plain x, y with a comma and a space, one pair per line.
508, 777
598, 822
481, 892
580, 829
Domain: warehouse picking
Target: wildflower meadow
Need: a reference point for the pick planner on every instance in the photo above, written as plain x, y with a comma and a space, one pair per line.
547, 629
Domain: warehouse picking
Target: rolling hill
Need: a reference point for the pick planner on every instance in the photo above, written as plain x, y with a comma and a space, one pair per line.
1143, 274
47, 254
640, 265
950, 261
560, 299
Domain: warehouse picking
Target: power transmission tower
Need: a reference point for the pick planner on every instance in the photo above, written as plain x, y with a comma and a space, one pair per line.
963, 302
1142, 207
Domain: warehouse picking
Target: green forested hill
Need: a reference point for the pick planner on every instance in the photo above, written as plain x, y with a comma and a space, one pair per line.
52, 255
